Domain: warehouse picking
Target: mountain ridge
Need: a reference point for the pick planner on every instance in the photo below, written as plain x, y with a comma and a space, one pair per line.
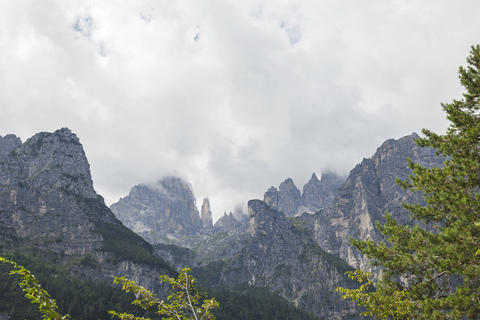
48, 204
293, 244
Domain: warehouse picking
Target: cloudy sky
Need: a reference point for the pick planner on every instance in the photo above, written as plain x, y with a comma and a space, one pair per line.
233, 95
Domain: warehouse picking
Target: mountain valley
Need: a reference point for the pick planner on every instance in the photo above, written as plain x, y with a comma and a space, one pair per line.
293, 245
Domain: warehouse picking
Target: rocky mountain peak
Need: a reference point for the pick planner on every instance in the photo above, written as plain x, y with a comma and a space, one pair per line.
48, 206
289, 198
271, 197
166, 208
47, 194
229, 221
9, 143
314, 179
50, 159
317, 194
370, 191
206, 215
264, 219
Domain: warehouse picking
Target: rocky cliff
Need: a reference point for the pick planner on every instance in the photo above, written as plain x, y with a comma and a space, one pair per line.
48, 206
370, 191
317, 194
167, 208
280, 255
233, 220
206, 216
8, 143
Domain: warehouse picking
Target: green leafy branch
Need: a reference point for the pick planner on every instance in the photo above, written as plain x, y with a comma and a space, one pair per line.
184, 303
395, 305
35, 293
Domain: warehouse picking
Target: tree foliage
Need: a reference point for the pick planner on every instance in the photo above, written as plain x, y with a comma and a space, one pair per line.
434, 274
185, 301
35, 293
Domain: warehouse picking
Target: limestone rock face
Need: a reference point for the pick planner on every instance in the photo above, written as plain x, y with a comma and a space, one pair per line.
289, 198
369, 191
283, 257
47, 194
317, 194
8, 143
167, 208
48, 204
233, 220
271, 197
286, 199
206, 216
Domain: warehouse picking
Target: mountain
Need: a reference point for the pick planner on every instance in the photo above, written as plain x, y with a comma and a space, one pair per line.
53, 222
279, 255
317, 194
49, 208
167, 208
296, 244
206, 216
369, 191
233, 220
293, 244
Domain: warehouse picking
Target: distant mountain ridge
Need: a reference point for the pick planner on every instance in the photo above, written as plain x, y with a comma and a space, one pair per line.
317, 194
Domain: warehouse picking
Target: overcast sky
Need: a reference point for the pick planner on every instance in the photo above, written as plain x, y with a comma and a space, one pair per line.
233, 95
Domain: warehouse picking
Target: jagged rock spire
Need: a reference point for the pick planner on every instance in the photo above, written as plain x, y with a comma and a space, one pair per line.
206, 215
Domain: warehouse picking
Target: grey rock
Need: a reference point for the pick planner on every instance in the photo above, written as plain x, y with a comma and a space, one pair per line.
222, 245
289, 198
319, 194
233, 220
178, 257
206, 216
271, 197
48, 204
9, 143
282, 257
165, 209
368, 193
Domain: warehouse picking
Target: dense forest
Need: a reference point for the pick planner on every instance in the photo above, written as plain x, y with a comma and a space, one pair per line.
87, 300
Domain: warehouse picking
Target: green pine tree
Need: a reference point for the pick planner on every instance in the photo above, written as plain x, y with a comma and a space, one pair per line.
434, 274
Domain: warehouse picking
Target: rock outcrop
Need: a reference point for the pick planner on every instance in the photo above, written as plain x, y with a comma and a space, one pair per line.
233, 220
47, 194
368, 193
9, 143
206, 216
317, 194
48, 205
286, 199
167, 208
281, 256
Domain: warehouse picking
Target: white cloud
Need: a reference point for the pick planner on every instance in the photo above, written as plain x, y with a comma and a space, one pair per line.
234, 95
